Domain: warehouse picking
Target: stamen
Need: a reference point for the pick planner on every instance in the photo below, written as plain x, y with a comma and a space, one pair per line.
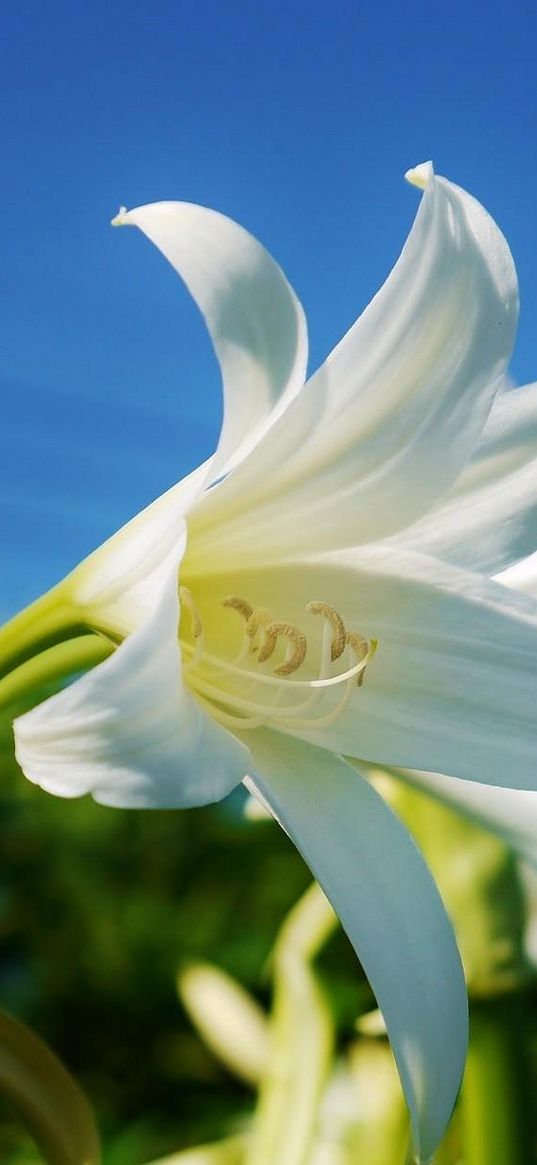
260, 620
260, 677
269, 712
336, 622
242, 695
238, 604
295, 653
268, 645
256, 620
195, 617
230, 721
364, 651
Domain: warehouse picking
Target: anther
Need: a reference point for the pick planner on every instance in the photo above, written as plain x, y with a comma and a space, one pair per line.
339, 635
268, 645
296, 651
195, 618
238, 604
260, 620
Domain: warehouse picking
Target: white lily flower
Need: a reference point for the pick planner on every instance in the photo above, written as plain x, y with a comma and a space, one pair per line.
488, 522
280, 606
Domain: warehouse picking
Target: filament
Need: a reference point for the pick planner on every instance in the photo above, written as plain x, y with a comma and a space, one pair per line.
242, 694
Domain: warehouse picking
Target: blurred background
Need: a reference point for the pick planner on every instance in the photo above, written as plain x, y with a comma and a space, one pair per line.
298, 120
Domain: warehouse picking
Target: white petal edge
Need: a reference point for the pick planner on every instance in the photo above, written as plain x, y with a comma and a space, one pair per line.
488, 520
453, 685
522, 576
509, 813
387, 901
389, 421
117, 586
254, 318
129, 732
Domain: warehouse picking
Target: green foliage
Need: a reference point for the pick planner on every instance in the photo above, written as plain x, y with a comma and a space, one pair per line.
98, 910
103, 911
46, 1097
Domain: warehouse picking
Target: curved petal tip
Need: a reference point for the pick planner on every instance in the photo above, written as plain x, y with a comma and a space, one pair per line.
120, 219
420, 175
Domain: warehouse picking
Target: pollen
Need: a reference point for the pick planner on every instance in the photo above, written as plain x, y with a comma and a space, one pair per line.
259, 620
238, 604
339, 636
296, 651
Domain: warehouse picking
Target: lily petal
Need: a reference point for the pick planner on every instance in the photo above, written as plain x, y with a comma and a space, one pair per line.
510, 813
129, 732
386, 899
488, 520
389, 421
120, 582
254, 318
453, 684
522, 576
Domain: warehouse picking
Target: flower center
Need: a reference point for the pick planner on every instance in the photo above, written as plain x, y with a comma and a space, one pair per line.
267, 681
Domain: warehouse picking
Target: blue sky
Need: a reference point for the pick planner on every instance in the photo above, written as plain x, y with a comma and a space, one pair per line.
298, 120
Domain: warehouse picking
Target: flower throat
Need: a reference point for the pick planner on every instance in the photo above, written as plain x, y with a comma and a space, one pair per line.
261, 685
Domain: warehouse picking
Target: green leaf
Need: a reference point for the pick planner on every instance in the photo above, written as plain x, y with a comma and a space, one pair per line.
47, 1099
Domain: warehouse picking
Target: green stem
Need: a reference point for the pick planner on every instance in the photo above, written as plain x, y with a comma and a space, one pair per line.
301, 1039
495, 1100
50, 620
52, 666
